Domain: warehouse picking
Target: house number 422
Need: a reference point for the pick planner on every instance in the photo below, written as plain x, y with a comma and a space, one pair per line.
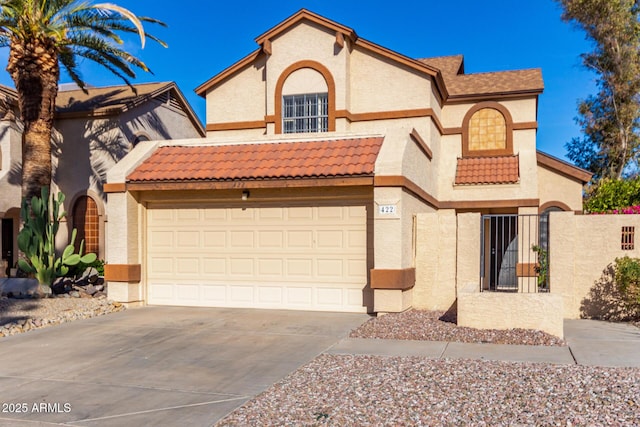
387, 209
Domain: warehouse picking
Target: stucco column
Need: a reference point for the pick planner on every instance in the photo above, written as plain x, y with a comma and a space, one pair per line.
468, 243
436, 245
123, 269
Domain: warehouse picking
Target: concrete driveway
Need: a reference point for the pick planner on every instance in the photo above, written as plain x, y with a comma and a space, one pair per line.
160, 366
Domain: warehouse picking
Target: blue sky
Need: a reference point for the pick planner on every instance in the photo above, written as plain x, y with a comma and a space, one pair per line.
205, 37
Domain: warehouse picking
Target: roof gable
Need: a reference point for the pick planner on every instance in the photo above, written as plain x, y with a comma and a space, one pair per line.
342, 32
111, 100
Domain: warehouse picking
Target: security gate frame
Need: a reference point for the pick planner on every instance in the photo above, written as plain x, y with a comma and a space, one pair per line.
514, 255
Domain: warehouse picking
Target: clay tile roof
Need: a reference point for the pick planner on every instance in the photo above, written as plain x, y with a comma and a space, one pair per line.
487, 170
285, 160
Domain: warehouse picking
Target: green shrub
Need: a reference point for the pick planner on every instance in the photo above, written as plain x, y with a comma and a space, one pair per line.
613, 194
627, 277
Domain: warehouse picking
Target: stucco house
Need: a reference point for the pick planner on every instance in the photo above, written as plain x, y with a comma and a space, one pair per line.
323, 150
92, 132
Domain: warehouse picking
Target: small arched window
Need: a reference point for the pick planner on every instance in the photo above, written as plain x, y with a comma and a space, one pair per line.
487, 131
86, 220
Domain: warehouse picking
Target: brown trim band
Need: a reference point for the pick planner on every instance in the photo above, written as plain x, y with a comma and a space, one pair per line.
116, 187
226, 185
412, 188
525, 125
526, 270
401, 279
407, 185
415, 136
257, 124
488, 204
122, 272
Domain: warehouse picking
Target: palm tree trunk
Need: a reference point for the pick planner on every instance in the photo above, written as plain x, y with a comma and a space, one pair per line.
35, 72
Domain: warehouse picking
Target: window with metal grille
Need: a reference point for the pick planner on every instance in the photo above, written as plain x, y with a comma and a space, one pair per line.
305, 113
627, 238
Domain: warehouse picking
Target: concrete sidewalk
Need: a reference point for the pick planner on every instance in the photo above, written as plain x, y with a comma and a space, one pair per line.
589, 342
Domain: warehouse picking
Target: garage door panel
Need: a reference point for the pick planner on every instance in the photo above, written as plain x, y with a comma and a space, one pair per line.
187, 214
311, 258
214, 266
300, 213
214, 238
214, 294
242, 267
242, 239
188, 239
271, 239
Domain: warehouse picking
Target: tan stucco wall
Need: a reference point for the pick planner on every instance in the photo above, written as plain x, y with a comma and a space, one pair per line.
553, 187
499, 310
377, 84
521, 110
391, 301
524, 145
241, 98
11, 150
304, 80
307, 41
582, 247
436, 253
468, 244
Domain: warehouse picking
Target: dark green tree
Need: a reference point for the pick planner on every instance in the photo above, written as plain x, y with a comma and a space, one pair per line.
609, 146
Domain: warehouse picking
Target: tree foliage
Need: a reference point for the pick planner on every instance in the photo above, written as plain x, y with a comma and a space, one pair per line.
609, 119
43, 35
613, 194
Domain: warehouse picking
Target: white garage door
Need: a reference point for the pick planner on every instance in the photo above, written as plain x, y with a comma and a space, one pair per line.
307, 258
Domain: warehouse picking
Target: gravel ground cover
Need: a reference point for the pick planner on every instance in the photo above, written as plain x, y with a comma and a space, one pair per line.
22, 315
345, 390
441, 326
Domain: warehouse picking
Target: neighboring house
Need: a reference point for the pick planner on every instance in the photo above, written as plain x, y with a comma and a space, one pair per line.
92, 132
322, 150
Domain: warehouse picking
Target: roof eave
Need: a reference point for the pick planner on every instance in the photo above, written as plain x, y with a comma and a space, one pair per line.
304, 14
493, 95
227, 72
563, 167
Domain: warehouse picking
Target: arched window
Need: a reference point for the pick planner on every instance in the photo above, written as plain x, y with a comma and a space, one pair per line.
86, 220
305, 99
487, 131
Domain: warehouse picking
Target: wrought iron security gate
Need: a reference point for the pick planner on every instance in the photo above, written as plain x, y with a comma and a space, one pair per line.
514, 254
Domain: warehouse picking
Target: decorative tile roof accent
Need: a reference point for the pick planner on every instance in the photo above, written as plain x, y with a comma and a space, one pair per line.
487, 170
284, 160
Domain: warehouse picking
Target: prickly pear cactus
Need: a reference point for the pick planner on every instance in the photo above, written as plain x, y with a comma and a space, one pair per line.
36, 240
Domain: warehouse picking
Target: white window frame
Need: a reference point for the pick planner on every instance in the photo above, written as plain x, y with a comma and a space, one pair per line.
305, 113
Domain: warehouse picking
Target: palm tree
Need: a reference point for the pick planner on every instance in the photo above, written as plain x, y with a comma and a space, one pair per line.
43, 35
